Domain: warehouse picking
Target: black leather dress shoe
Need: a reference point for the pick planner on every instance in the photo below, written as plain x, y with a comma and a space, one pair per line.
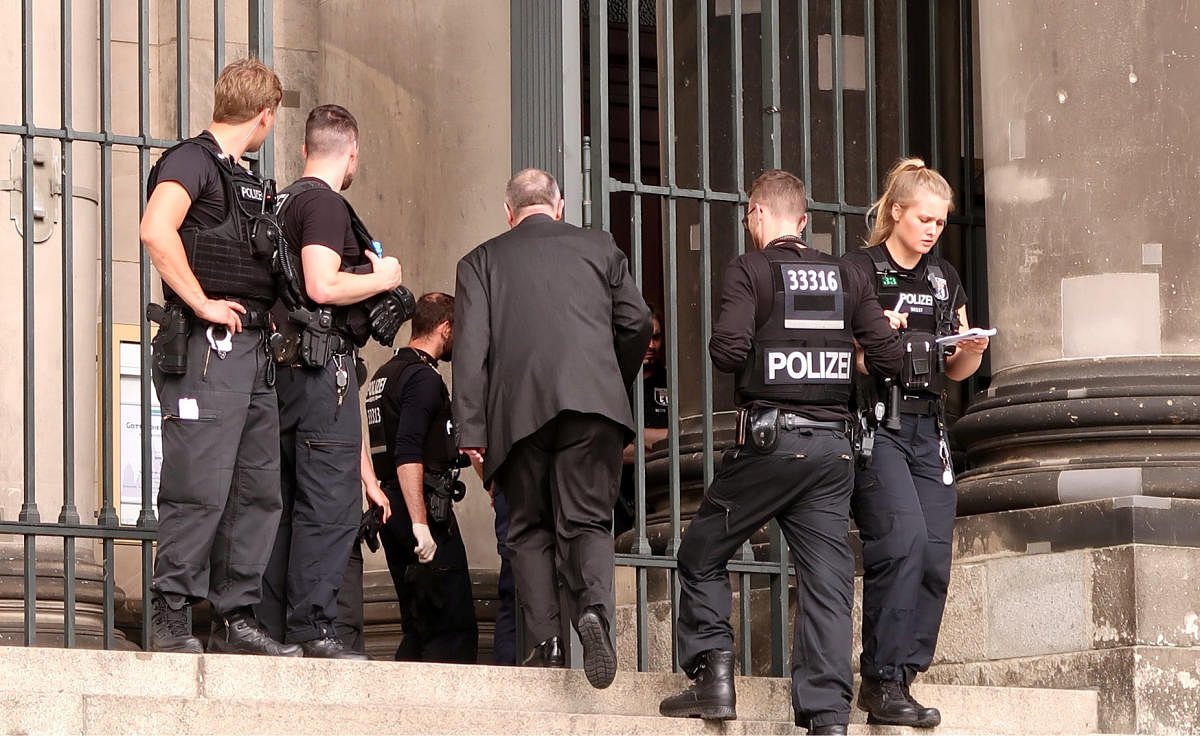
926, 717
711, 695
241, 635
828, 728
330, 648
599, 657
547, 654
885, 703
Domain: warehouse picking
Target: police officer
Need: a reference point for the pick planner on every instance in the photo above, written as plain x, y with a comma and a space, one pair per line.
788, 321
904, 502
415, 454
219, 485
325, 463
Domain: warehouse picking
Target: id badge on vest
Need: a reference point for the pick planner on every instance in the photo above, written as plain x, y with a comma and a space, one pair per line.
813, 298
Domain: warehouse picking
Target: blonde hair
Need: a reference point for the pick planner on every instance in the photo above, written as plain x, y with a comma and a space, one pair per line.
244, 89
906, 179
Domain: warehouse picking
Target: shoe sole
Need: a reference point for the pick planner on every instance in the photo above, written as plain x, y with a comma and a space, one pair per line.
931, 722
189, 648
707, 713
873, 720
599, 658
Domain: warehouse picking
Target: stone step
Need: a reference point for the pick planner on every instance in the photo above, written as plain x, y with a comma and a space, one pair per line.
84, 684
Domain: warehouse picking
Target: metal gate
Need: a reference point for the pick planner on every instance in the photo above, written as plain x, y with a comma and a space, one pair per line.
52, 143
685, 103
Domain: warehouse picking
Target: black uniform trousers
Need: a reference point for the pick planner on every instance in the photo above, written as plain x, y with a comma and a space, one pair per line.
805, 485
504, 637
905, 515
219, 485
561, 483
437, 606
320, 445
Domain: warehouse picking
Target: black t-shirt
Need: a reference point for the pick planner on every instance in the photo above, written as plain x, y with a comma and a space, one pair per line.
319, 217
655, 399
194, 169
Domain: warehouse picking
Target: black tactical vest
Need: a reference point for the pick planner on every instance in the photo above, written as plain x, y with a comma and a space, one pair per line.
354, 320
222, 257
440, 449
804, 352
928, 301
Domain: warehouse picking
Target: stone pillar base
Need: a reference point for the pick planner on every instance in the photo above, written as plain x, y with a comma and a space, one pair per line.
1111, 603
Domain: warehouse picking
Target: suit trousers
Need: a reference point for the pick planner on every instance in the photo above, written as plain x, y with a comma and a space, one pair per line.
905, 515
805, 485
561, 483
320, 441
219, 487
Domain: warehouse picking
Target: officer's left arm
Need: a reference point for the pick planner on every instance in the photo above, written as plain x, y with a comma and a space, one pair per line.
968, 354
733, 332
375, 494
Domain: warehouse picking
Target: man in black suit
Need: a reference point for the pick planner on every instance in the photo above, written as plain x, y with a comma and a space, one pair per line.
550, 332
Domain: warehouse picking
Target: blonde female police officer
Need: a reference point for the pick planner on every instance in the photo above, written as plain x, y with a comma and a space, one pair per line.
904, 503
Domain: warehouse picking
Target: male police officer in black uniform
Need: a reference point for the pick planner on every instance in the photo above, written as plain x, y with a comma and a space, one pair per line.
220, 471
788, 322
324, 458
414, 450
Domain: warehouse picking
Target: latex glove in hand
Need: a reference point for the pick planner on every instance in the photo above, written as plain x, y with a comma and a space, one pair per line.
426, 547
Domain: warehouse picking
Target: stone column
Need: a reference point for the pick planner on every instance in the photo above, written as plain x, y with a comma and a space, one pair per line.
1077, 543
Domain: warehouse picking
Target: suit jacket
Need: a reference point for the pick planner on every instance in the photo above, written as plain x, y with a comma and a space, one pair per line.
547, 319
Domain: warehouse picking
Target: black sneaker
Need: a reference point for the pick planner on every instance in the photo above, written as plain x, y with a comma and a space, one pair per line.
711, 695
599, 657
242, 635
926, 717
547, 654
330, 648
885, 703
169, 629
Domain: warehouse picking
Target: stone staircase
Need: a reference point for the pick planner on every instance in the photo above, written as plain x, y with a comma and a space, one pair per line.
61, 691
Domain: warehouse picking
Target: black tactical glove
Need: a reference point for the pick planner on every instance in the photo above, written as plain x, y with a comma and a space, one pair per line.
390, 310
369, 526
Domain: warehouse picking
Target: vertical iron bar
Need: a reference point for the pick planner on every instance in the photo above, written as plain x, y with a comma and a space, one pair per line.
706, 373
29, 509
745, 586
902, 73
108, 515
967, 65
586, 150
672, 311
69, 514
739, 136
183, 71
839, 126
146, 518
806, 100
935, 153
872, 144
598, 79
772, 158
772, 119
218, 37
262, 45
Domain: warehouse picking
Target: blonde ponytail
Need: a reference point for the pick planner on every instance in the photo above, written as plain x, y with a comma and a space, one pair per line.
904, 181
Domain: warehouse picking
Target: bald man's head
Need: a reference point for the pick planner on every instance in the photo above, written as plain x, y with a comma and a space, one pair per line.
530, 187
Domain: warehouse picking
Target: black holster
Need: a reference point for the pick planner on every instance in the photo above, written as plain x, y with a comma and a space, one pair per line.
169, 344
758, 428
319, 340
441, 491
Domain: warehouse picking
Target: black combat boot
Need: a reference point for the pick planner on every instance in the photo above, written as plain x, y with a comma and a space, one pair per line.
330, 648
711, 695
170, 631
926, 717
885, 703
599, 657
547, 654
240, 634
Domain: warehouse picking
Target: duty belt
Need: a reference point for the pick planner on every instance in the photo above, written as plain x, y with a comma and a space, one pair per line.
920, 407
791, 420
256, 317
